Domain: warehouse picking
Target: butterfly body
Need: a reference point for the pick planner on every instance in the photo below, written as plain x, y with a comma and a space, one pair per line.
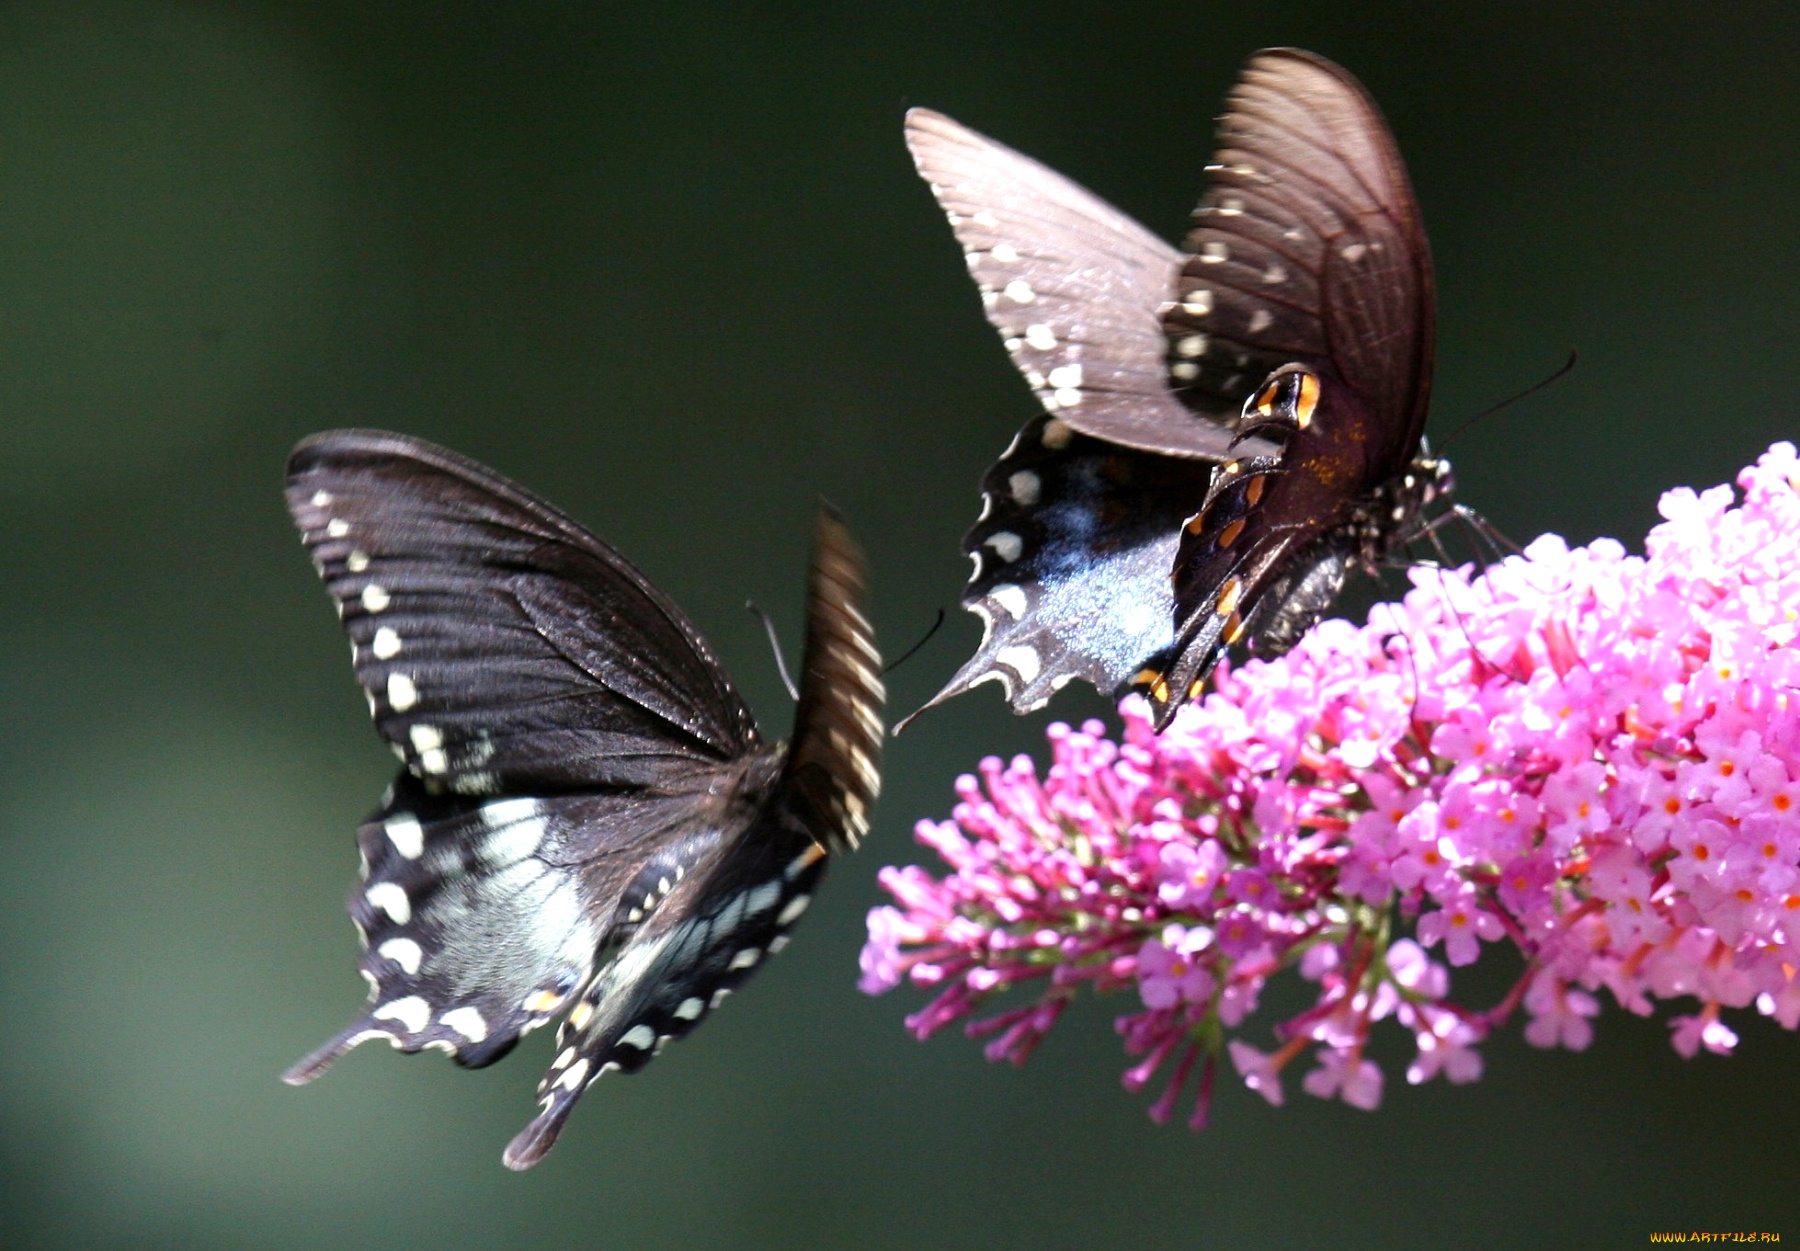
1272, 544
1306, 262
587, 824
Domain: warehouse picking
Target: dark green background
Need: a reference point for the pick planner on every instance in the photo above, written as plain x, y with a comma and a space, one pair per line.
669, 265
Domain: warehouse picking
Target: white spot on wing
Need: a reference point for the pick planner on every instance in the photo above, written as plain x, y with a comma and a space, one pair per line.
374, 597
745, 959
1261, 320
504, 812
763, 898
1019, 291
407, 836
1021, 660
1006, 545
1057, 434
385, 644
321, 499
640, 1036
1005, 253
1198, 302
403, 952
337, 528
514, 842
356, 562
391, 899
466, 1021
425, 737
1041, 337
412, 1012
1214, 252
690, 1009
1025, 486
401, 692
474, 784
795, 907
572, 1079
1009, 598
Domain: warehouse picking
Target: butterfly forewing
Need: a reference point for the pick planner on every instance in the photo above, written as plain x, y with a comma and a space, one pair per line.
588, 822
833, 770
1307, 246
1073, 285
501, 646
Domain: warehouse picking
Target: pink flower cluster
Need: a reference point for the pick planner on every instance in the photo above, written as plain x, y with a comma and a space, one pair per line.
1588, 756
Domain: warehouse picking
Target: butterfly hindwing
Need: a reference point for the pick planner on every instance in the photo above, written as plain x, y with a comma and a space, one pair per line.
502, 647
699, 942
1072, 557
481, 918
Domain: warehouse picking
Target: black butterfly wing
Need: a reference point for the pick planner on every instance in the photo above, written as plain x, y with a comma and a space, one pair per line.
1307, 247
502, 647
1072, 556
695, 937
1075, 287
481, 920
832, 775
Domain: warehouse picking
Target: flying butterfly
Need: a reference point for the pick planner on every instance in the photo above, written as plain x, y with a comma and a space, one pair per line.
1228, 429
587, 821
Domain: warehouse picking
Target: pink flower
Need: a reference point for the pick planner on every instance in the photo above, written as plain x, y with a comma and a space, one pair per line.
1261, 1073
1347, 1074
1588, 756
1460, 923
1559, 1014
1169, 972
1190, 874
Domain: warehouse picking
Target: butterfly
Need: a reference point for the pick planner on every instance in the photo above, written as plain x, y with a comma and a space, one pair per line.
1228, 429
587, 820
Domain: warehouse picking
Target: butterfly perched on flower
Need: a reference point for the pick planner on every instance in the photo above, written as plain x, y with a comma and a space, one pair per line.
1229, 428
587, 823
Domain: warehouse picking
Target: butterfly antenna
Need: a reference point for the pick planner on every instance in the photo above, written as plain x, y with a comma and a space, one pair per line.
787, 679
1527, 393
911, 651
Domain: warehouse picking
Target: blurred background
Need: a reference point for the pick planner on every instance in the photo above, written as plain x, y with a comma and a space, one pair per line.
669, 266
